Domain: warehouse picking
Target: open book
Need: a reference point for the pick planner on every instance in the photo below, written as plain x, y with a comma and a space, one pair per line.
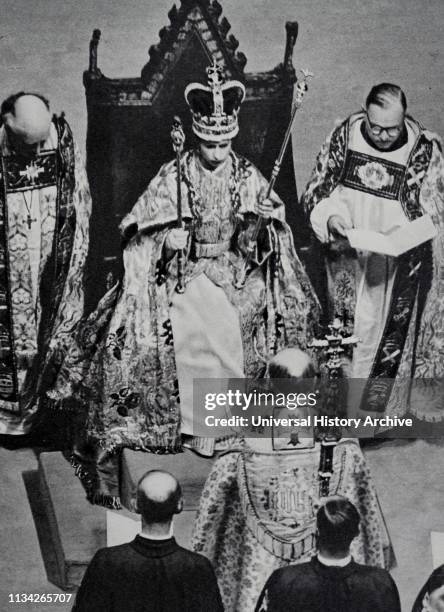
397, 241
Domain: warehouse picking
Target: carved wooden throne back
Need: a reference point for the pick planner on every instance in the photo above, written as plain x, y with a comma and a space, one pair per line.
129, 123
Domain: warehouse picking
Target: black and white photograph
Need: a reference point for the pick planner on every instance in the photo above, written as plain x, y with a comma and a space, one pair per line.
221, 306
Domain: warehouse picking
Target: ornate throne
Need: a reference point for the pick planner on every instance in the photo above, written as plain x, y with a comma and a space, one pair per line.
129, 123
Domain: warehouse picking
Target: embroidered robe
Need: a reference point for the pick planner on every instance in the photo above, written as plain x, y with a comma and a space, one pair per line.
395, 305
44, 216
137, 354
257, 513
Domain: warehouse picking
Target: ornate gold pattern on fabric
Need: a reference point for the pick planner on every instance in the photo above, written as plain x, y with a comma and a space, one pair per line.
62, 257
280, 501
236, 539
373, 175
199, 205
127, 380
23, 174
212, 249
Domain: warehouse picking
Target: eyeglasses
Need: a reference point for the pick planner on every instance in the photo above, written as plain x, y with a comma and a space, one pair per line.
377, 130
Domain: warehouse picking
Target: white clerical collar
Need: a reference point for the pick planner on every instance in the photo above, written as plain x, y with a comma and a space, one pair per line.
158, 537
334, 562
400, 155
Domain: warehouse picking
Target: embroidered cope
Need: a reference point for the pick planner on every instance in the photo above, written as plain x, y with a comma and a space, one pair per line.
43, 246
258, 510
395, 305
136, 381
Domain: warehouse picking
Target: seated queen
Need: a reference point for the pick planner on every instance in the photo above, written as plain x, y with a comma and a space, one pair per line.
136, 381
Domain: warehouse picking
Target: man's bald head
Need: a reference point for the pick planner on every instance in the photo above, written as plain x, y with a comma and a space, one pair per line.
291, 363
27, 119
159, 496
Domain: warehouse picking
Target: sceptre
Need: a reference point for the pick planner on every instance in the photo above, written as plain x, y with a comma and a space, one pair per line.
301, 88
178, 140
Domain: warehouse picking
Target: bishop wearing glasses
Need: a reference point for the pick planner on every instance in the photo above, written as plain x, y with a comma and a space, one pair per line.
377, 171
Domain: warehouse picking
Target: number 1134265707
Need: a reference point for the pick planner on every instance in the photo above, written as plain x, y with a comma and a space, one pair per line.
21, 598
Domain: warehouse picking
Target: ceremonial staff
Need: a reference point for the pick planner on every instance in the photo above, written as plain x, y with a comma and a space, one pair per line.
178, 139
301, 88
333, 343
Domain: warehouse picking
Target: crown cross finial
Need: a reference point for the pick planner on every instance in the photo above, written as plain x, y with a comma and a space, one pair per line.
215, 76
215, 81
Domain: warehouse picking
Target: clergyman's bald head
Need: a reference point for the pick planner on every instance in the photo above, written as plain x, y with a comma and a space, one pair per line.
291, 363
27, 118
159, 496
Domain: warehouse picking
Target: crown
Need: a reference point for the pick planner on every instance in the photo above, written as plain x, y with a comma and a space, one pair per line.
215, 106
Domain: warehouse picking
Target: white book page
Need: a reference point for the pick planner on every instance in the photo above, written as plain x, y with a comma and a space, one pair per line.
395, 242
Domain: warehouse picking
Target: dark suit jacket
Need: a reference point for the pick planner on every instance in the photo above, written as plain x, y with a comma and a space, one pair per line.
148, 576
314, 587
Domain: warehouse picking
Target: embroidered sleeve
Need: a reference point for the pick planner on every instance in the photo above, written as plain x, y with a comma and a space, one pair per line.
327, 171
157, 204
253, 188
432, 188
334, 204
71, 304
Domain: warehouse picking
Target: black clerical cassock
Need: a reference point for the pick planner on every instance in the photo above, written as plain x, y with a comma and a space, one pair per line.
316, 587
148, 576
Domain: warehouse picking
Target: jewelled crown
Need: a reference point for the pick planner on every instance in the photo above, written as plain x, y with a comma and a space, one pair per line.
215, 106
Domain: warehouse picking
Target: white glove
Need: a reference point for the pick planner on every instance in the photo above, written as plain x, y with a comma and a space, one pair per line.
265, 207
176, 239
